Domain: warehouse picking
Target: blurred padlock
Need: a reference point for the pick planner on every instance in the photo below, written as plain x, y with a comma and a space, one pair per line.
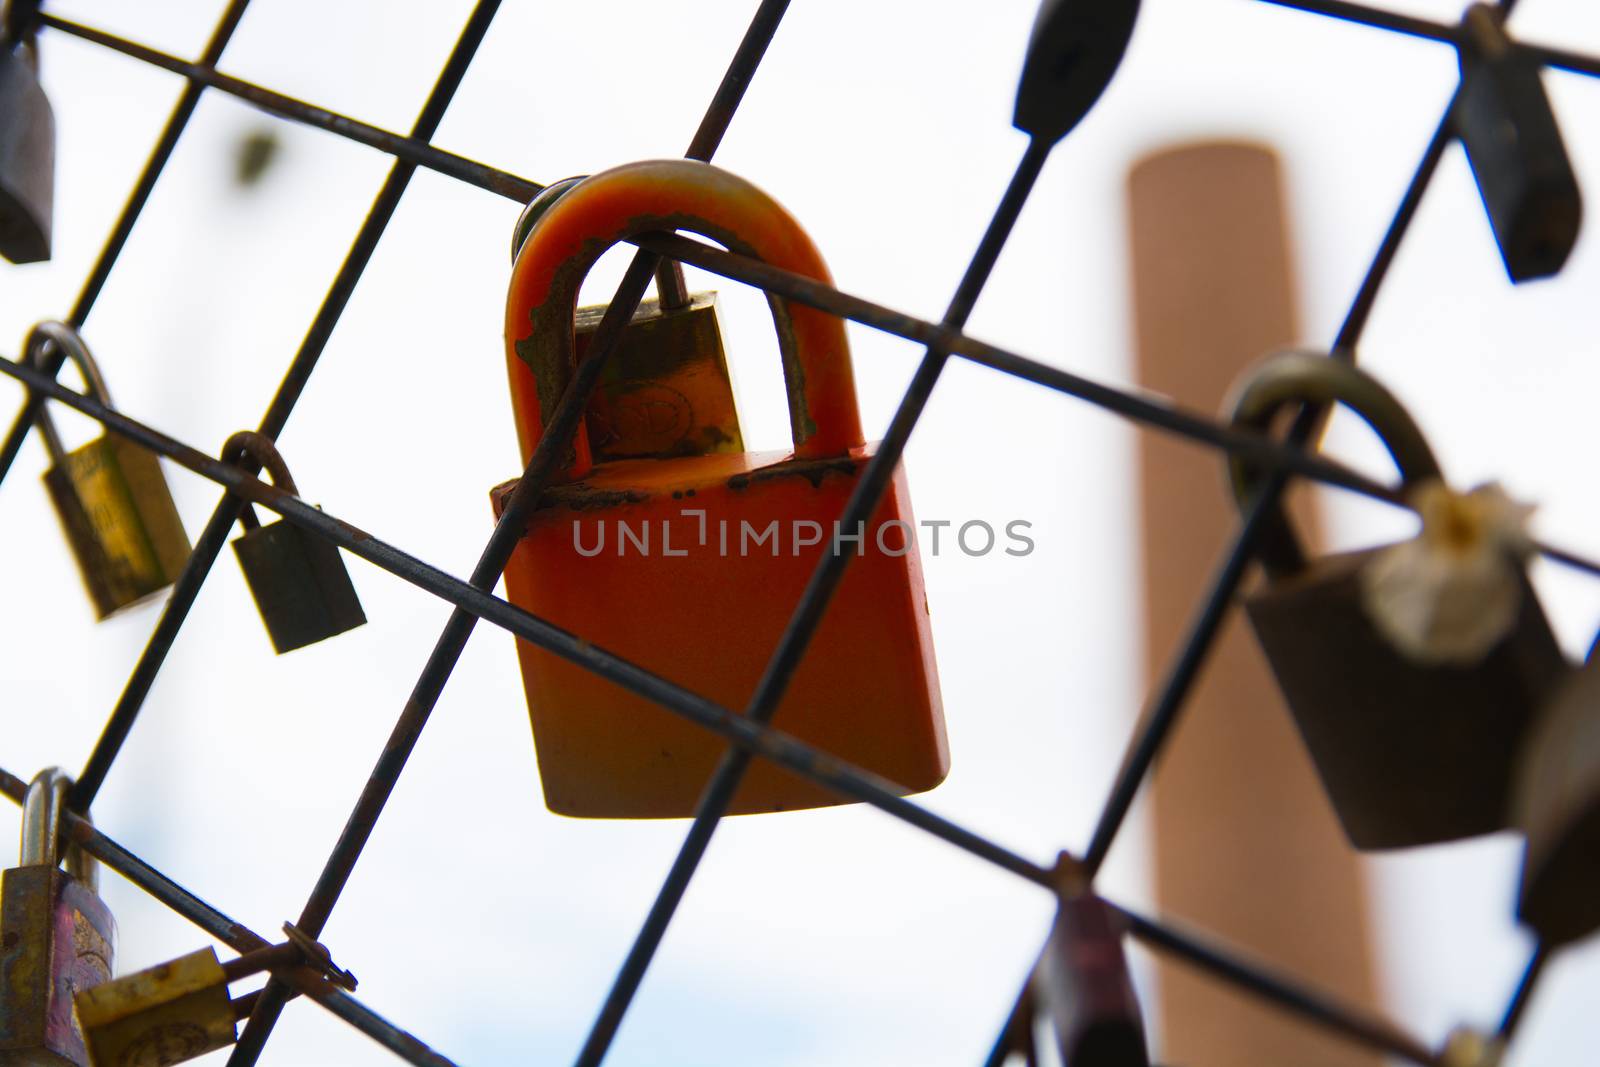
666, 389
1410, 753
181, 1009
1074, 50
56, 936
1557, 805
1514, 144
298, 579
27, 145
110, 495
1083, 986
702, 607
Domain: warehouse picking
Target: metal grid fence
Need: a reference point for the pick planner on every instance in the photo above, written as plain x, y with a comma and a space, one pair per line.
748, 734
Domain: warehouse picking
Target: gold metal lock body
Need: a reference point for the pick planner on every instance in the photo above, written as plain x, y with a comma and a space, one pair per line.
160, 1016
111, 498
56, 938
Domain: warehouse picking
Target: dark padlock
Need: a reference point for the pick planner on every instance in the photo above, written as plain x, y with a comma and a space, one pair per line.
1557, 805
27, 146
1514, 144
666, 390
110, 495
1410, 753
1082, 984
298, 580
56, 937
1074, 50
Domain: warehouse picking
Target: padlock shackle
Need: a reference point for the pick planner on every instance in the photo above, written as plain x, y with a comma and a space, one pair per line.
260, 448
1304, 377
44, 809
665, 196
71, 342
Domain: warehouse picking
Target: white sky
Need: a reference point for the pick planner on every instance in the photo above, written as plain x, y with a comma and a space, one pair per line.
475, 918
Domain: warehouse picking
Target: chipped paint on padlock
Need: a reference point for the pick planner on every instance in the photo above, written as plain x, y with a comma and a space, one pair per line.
298, 579
1557, 806
868, 689
27, 154
1513, 142
110, 496
56, 937
1409, 753
159, 1016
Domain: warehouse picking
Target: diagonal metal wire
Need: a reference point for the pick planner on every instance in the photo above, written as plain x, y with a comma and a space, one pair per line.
131, 210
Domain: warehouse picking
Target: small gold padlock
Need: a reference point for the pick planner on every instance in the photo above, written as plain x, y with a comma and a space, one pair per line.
110, 495
666, 390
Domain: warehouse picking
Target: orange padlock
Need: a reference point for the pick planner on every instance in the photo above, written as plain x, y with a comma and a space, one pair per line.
691, 565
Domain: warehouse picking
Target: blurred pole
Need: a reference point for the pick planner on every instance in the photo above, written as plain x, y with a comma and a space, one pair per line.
1245, 843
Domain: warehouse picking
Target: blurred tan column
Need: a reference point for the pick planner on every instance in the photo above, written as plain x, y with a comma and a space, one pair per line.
1245, 844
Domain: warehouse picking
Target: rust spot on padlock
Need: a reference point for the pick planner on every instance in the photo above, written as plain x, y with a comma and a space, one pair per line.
692, 611
1410, 753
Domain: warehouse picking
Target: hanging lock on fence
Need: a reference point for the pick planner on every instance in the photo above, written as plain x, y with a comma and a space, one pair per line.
666, 390
110, 496
27, 144
1083, 985
1514, 144
298, 580
56, 936
1409, 752
1557, 805
678, 586
181, 1009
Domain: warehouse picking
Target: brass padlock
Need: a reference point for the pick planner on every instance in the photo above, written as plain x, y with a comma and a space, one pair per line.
1557, 805
181, 1009
1083, 986
1409, 752
1514, 144
299, 582
111, 497
56, 937
666, 390
27, 147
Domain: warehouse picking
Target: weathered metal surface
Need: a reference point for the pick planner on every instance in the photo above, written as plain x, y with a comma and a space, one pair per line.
160, 1016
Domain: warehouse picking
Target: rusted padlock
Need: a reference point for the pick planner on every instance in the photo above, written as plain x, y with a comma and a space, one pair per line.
665, 391
180, 1009
1514, 144
1082, 983
729, 541
56, 936
1557, 805
27, 144
111, 497
298, 580
1410, 752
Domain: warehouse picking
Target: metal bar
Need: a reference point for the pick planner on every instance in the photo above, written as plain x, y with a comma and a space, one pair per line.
808, 613
1520, 999
235, 935
154, 165
275, 994
414, 149
447, 650
1343, 1019
211, 540
1017, 1021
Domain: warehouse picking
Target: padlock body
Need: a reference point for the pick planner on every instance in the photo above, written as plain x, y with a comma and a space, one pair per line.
707, 612
1514, 145
27, 160
161, 1016
1085, 989
300, 585
665, 391
119, 518
56, 937
1409, 753
1558, 809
